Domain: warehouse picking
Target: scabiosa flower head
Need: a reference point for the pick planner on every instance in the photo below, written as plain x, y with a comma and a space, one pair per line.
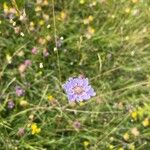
19, 91
10, 104
78, 89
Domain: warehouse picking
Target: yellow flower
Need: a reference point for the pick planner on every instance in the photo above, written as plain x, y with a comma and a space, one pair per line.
145, 122
35, 129
21, 33
85, 21
38, 8
32, 24
81, 104
45, 3
13, 11
8, 58
135, 131
111, 138
41, 41
31, 117
20, 53
86, 143
14, 24
88, 20
127, 10
113, 16
126, 136
48, 37
134, 115
131, 147
46, 17
82, 1
63, 15
91, 30
48, 26
111, 146
41, 22
93, 3
5, 7
41, 65
50, 98
127, 38
135, 1
23, 103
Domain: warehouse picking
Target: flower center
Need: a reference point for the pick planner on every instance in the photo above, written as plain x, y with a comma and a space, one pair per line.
78, 90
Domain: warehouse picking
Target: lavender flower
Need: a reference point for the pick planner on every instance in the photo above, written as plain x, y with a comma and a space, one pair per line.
19, 91
78, 89
10, 104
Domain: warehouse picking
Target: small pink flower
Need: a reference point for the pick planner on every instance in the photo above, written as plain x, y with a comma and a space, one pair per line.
34, 50
77, 124
11, 104
45, 53
27, 62
21, 132
22, 68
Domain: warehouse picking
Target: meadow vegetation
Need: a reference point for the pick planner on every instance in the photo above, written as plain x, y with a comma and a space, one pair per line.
45, 42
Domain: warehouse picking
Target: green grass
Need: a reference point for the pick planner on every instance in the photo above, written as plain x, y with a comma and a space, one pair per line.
115, 58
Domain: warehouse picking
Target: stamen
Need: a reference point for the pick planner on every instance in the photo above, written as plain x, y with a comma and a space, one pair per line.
78, 90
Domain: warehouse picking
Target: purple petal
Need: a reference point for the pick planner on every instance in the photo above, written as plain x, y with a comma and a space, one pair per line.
19, 91
85, 96
85, 82
67, 85
69, 91
79, 98
91, 92
80, 81
73, 82
87, 88
71, 98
